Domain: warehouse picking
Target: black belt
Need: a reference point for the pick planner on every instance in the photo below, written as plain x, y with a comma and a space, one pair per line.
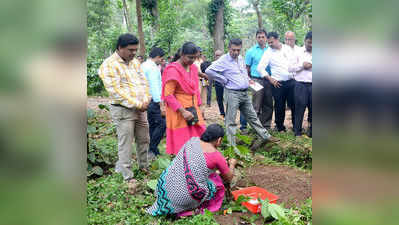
119, 105
304, 82
256, 77
242, 90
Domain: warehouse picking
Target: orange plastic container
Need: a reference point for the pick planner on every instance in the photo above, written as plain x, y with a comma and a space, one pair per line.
254, 192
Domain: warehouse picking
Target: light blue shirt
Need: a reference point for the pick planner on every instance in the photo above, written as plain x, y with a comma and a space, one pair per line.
231, 73
252, 59
153, 75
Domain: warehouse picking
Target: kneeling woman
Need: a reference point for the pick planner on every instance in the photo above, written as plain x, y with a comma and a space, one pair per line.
190, 184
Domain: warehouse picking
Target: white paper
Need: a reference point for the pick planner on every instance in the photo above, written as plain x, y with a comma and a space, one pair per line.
253, 202
255, 86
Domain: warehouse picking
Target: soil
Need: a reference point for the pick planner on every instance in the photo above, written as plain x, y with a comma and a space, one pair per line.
292, 187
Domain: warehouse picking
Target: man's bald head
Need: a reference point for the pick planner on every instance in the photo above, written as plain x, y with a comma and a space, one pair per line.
218, 53
290, 38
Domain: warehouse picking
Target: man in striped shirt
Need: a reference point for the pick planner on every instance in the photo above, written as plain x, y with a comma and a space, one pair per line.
130, 96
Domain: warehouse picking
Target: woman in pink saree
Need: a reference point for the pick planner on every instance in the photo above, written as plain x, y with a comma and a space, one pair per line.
180, 92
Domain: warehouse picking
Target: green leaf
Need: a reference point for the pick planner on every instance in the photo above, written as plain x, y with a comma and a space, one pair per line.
246, 139
101, 106
91, 129
242, 198
98, 170
152, 184
243, 150
265, 209
276, 211
208, 213
92, 157
163, 163
91, 114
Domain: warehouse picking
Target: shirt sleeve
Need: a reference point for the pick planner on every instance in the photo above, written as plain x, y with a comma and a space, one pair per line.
298, 65
170, 99
264, 62
215, 72
221, 163
111, 78
152, 80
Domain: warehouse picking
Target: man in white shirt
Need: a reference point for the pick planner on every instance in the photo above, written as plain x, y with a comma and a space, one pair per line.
277, 57
303, 85
290, 41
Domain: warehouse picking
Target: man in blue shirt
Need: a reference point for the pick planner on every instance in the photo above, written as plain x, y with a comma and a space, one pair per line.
156, 109
262, 100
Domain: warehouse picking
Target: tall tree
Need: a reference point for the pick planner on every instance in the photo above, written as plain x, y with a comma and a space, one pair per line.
218, 34
217, 21
140, 28
127, 16
169, 23
256, 5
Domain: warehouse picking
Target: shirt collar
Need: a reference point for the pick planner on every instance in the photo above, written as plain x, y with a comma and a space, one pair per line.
258, 46
231, 58
149, 61
118, 58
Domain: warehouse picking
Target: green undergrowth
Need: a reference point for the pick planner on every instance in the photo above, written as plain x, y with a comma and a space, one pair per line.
108, 198
296, 152
291, 151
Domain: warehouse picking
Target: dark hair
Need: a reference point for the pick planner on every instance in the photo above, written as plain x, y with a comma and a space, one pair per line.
261, 31
273, 34
155, 51
205, 65
212, 133
177, 55
199, 49
308, 35
235, 41
189, 48
126, 39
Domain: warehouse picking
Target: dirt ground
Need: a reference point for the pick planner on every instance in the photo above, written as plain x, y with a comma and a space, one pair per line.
292, 187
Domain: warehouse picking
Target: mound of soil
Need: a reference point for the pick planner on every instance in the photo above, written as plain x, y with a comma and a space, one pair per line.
292, 186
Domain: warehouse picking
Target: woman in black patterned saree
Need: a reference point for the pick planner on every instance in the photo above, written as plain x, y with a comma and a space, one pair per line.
190, 184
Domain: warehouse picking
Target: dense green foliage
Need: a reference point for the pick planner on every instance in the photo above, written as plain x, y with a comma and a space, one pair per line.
185, 20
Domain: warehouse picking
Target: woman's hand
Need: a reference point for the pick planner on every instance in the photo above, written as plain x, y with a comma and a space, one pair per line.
186, 115
233, 162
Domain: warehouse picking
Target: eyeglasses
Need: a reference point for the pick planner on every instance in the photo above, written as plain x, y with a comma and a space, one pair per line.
289, 39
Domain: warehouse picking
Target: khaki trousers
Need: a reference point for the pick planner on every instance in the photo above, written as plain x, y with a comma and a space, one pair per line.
130, 124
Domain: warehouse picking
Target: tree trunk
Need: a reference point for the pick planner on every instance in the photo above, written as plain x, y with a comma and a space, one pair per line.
155, 13
140, 28
256, 6
218, 33
127, 18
